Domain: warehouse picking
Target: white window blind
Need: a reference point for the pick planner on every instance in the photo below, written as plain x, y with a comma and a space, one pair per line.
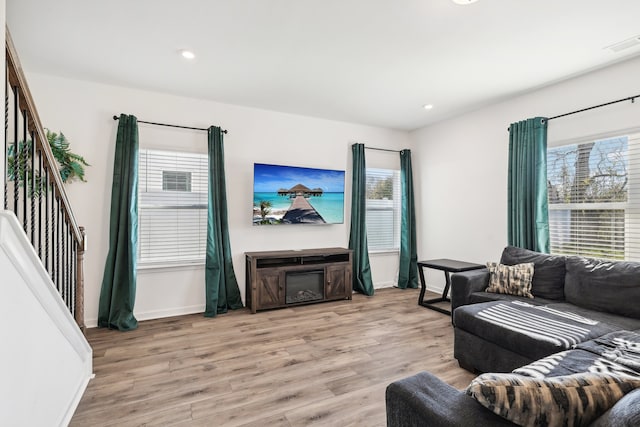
383, 209
594, 198
172, 207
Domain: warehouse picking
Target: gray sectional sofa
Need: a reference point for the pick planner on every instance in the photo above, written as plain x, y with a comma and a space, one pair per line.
582, 309
575, 299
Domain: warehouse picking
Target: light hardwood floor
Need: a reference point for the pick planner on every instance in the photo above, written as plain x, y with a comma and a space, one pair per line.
324, 365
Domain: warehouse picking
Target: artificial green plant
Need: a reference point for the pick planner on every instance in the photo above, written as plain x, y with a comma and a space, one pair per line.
70, 165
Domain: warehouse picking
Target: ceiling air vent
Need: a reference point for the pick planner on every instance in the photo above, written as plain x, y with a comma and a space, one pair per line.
625, 44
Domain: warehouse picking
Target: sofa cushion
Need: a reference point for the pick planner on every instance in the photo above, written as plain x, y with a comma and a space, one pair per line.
609, 286
510, 279
574, 399
622, 347
615, 321
527, 329
477, 297
548, 271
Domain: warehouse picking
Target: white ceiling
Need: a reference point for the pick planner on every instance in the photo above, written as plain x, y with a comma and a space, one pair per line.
365, 61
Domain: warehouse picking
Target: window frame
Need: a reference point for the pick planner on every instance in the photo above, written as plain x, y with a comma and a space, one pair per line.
166, 181
395, 208
152, 263
631, 243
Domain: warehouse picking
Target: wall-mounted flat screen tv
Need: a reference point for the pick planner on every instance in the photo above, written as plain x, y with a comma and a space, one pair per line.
296, 195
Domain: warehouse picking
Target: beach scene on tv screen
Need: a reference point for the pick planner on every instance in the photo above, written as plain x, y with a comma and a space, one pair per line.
296, 195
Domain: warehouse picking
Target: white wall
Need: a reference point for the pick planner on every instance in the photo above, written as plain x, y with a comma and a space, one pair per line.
460, 165
83, 111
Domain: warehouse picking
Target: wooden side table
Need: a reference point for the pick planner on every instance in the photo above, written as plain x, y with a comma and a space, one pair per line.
448, 266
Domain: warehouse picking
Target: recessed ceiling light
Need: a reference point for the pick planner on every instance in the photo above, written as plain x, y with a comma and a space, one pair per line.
187, 54
427, 106
464, 1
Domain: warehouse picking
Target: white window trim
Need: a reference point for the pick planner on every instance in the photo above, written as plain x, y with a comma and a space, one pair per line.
384, 251
144, 265
589, 206
154, 266
395, 208
631, 206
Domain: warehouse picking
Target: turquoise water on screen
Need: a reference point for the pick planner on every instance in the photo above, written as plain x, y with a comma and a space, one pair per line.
330, 205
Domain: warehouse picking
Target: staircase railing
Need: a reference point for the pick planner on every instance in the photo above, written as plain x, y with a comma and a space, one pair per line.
33, 190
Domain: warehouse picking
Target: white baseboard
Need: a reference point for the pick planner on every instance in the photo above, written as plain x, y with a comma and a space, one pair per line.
436, 289
158, 314
75, 401
380, 285
170, 312
179, 311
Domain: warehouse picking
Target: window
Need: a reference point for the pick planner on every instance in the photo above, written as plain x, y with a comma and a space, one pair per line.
176, 181
172, 210
383, 209
594, 198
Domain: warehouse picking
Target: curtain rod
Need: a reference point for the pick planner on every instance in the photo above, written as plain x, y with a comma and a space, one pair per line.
171, 126
632, 98
382, 149
629, 98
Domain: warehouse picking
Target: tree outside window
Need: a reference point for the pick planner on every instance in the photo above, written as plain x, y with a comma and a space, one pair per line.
588, 194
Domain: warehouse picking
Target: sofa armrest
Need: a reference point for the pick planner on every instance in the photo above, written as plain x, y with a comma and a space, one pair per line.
424, 400
465, 283
625, 413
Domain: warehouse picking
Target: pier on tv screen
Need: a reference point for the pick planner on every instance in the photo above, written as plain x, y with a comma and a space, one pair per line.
297, 195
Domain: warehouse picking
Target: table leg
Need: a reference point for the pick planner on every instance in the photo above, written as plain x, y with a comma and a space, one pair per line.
447, 285
444, 298
423, 285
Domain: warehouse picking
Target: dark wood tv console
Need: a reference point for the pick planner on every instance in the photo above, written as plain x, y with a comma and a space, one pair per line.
277, 279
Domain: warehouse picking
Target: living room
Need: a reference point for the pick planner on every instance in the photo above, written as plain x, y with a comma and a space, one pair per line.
459, 156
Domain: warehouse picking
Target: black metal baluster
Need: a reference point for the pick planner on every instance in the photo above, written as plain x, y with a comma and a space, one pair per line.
58, 235
16, 153
32, 196
61, 243
74, 278
46, 220
25, 176
6, 147
66, 266
40, 205
63, 276
72, 275
53, 235
66, 263
70, 265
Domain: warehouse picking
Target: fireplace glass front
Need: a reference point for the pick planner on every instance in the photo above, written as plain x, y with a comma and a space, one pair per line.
304, 286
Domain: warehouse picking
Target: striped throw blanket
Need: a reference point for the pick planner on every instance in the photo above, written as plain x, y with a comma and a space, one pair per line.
543, 323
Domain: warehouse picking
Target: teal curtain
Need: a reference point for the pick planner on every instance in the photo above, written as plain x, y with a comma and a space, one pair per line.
358, 237
221, 287
528, 210
408, 268
118, 292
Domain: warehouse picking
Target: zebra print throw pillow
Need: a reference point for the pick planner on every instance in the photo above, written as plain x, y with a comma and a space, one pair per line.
572, 400
510, 279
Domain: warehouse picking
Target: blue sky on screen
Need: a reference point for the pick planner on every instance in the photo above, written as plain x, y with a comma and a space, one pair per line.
270, 178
